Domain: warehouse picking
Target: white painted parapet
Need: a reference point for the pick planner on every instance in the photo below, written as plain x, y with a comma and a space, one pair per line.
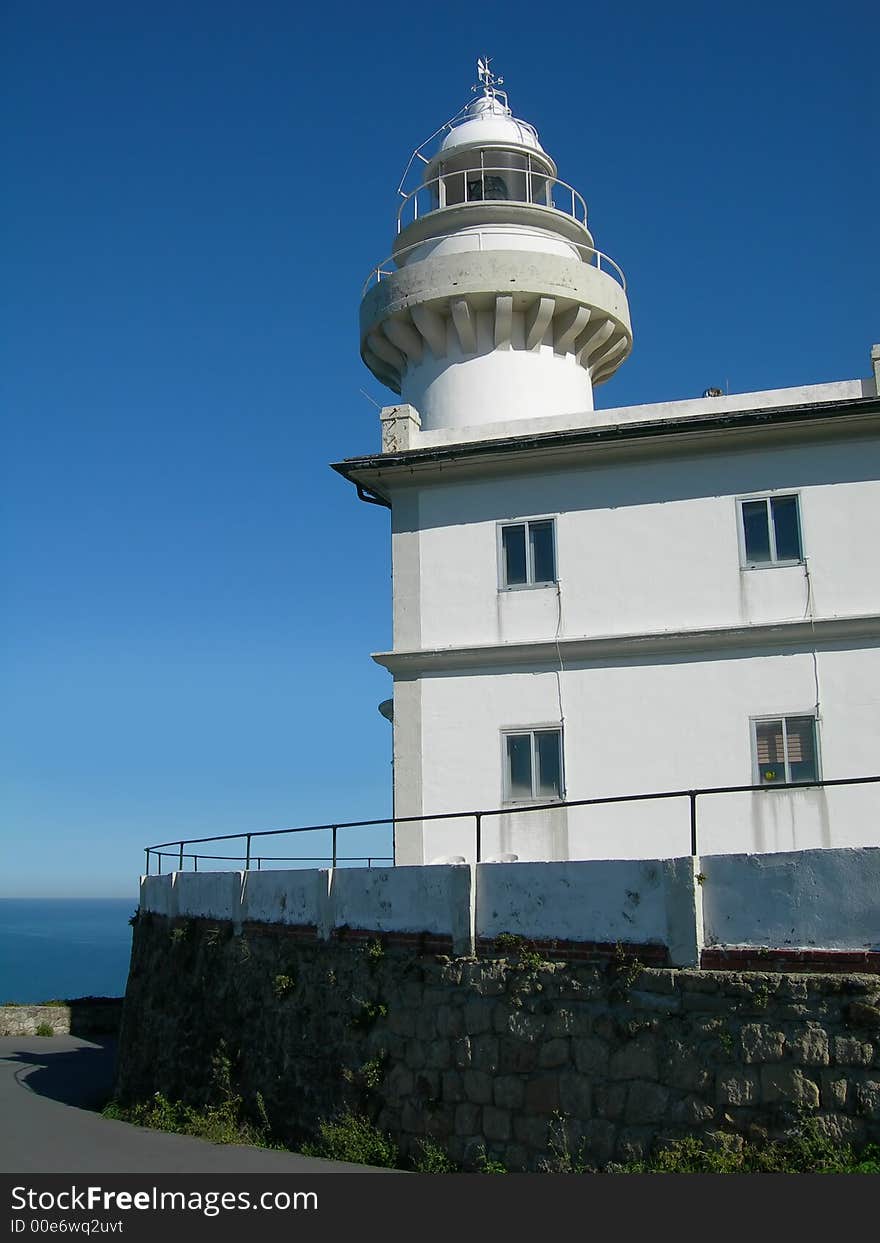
810, 899
289, 897
210, 895
436, 900
157, 895
644, 902
806, 899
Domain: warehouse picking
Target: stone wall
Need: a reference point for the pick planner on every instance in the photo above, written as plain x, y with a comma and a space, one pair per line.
85, 1016
500, 1051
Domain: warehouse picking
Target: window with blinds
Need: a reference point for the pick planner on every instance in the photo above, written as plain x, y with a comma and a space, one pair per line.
785, 750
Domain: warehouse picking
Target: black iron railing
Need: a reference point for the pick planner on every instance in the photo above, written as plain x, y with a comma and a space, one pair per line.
179, 852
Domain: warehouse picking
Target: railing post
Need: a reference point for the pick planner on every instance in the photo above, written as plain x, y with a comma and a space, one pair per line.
334, 831
159, 856
259, 864
148, 863
195, 863
247, 860
692, 796
479, 819
180, 862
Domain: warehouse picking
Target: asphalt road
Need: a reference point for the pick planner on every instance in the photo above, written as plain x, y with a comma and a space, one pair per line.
50, 1090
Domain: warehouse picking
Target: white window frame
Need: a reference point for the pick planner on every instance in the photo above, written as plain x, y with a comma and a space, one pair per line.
529, 584
555, 727
782, 717
774, 561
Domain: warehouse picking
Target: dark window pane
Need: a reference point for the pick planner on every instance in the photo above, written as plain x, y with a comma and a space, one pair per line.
547, 744
756, 531
496, 187
514, 543
785, 525
769, 752
541, 539
519, 766
801, 744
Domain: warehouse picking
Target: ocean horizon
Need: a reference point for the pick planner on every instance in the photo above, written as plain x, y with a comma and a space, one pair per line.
58, 948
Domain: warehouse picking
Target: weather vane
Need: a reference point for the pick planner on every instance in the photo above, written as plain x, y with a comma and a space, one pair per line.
488, 81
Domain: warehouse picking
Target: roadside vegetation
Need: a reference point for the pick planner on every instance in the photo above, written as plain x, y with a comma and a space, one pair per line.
352, 1137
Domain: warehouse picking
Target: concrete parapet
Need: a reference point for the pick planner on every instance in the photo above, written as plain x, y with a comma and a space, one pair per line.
211, 895
435, 900
784, 902
632, 901
284, 897
822, 899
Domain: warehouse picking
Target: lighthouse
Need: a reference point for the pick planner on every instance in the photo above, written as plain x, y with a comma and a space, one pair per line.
495, 303
593, 605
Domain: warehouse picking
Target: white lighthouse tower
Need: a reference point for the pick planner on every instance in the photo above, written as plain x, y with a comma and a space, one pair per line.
500, 306
591, 606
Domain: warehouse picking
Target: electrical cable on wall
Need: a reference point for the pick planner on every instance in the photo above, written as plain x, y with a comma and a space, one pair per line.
561, 668
809, 610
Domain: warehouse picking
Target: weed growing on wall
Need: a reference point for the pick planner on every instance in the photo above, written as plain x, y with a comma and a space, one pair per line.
625, 970
283, 986
431, 1158
352, 1137
223, 1121
368, 1013
44, 1029
808, 1151
374, 952
488, 1165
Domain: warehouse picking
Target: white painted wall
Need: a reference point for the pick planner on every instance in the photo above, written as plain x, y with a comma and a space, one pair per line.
404, 899
631, 727
646, 902
215, 895
435, 899
499, 383
645, 546
775, 900
286, 897
817, 899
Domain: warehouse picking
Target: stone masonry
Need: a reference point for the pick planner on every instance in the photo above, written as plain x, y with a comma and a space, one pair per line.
515, 1053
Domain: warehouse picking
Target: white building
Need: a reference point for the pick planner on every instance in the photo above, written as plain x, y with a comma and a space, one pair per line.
597, 603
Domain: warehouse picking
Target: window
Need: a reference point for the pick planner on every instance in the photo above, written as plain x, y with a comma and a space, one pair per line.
487, 187
528, 553
532, 765
785, 750
771, 530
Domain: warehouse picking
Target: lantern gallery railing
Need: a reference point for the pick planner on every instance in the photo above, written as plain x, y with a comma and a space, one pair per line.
526, 186
476, 239
254, 855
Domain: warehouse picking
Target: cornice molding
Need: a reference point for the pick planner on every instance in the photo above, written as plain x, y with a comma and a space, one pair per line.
766, 637
850, 417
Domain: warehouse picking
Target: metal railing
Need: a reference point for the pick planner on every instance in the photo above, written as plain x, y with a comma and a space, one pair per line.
588, 254
180, 853
521, 186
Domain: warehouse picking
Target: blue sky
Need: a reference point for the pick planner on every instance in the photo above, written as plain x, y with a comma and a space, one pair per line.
195, 194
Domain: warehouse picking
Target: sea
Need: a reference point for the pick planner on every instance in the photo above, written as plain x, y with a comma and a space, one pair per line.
56, 948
